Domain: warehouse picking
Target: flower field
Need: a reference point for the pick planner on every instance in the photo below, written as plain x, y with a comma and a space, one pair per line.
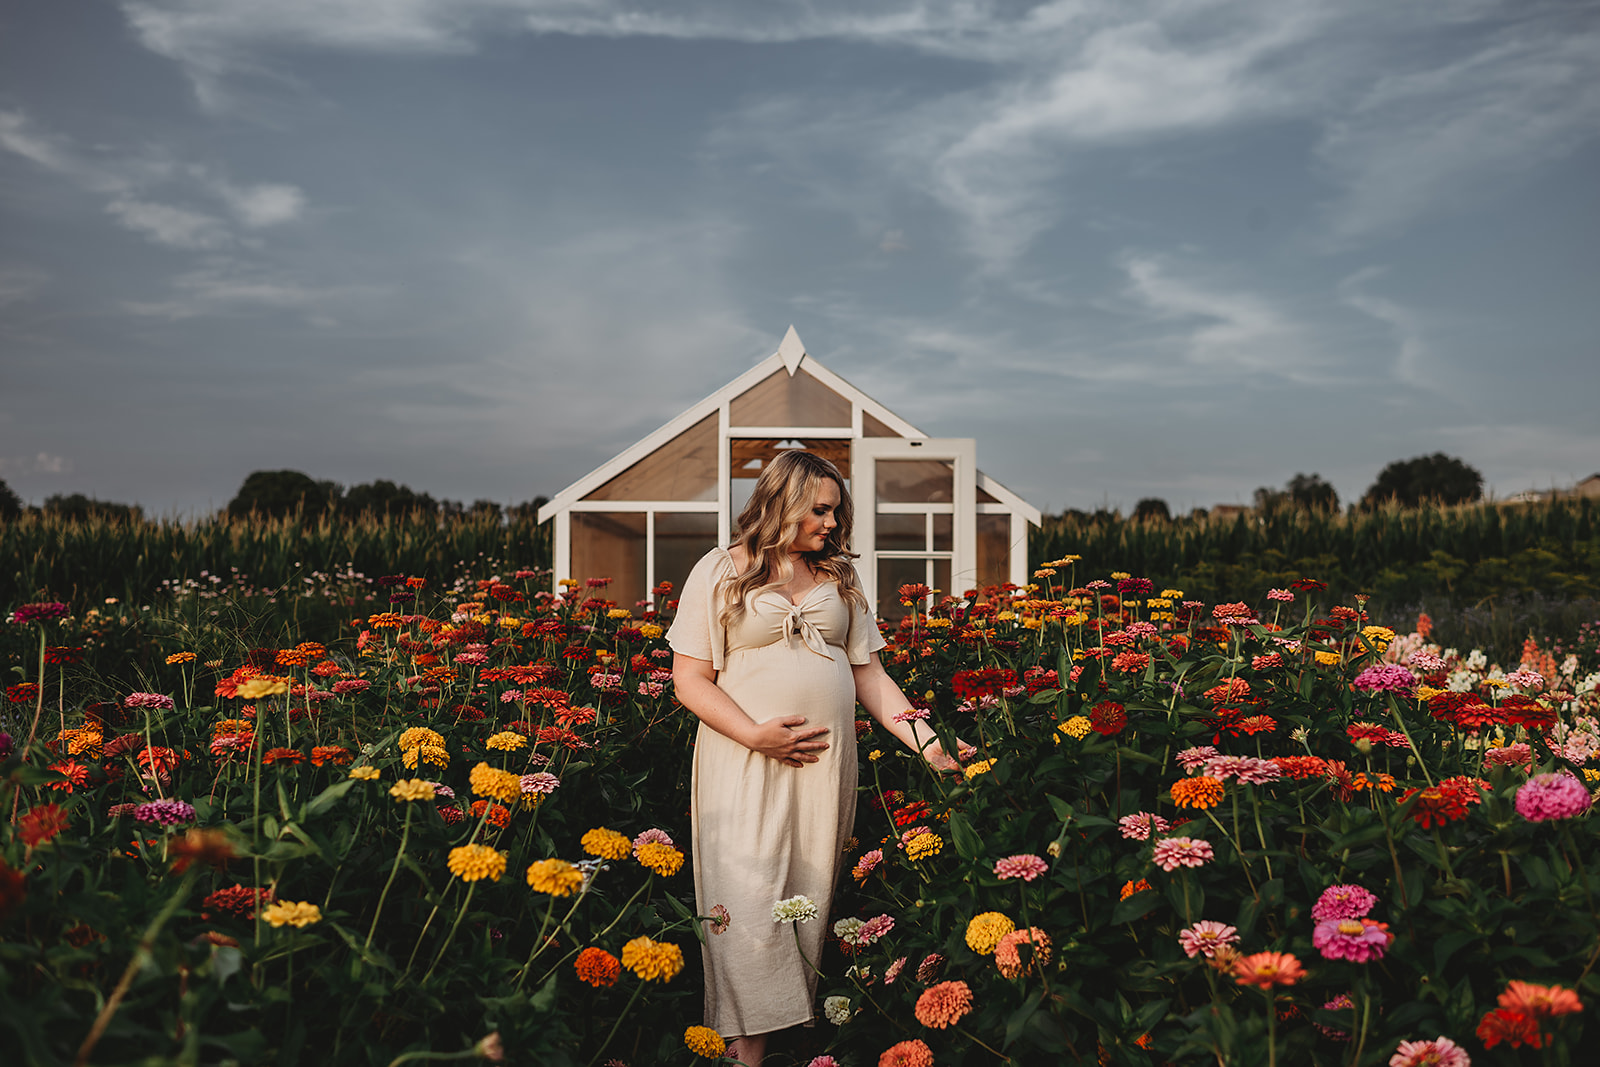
453, 825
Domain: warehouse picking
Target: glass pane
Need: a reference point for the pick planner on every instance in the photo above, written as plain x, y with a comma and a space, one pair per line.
994, 549
941, 579
681, 539
892, 574
685, 468
748, 455
610, 544
872, 427
943, 539
916, 481
902, 533
785, 399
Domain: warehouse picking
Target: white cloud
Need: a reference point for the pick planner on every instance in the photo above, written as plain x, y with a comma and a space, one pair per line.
171, 226
1427, 139
225, 287
1220, 328
259, 206
41, 463
1412, 352
18, 284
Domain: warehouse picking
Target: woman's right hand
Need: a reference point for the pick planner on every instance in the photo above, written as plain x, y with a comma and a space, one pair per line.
783, 740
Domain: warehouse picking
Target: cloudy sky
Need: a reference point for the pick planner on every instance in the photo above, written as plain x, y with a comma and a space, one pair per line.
1179, 248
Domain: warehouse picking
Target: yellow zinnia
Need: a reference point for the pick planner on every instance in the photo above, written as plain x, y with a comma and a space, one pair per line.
1078, 727
556, 877
972, 770
924, 845
704, 1041
256, 688
654, 961
1327, 659
364, 774
506, 741
473, 862
418, 736
434, 754
408, 789
607, 844
659, 857
292, 913
492, 782
985, 931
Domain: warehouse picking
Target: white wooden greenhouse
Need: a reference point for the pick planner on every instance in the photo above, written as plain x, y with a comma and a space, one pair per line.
924, 512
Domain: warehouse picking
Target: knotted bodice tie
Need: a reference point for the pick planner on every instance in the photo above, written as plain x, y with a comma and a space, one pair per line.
795, 624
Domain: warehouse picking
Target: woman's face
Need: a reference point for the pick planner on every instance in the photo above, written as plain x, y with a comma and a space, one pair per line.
819, 521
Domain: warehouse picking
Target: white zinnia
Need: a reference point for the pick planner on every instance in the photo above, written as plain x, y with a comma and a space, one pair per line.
796, 909
837, 1009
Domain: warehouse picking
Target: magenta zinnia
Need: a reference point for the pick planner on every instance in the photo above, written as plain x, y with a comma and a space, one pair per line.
1552, 796
1356, 940
1342, 902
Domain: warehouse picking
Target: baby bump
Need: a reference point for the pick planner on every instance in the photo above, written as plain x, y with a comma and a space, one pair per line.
778, 680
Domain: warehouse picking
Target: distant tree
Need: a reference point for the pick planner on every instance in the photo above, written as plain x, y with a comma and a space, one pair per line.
1152, 508
1438, 477
486, 509
79, 507
528, 511
280, 493
1310, 492
384, 497
11, 506
1197, 514
1306, 491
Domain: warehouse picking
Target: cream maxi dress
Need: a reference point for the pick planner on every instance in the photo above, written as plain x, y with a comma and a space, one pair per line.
763, 830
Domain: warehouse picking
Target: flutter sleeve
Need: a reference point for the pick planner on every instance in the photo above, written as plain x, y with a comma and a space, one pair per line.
695, 630
864, 639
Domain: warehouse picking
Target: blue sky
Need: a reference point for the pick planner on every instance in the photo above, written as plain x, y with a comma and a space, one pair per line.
1174, 249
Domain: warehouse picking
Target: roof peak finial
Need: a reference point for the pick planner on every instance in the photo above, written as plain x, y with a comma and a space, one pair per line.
791, 351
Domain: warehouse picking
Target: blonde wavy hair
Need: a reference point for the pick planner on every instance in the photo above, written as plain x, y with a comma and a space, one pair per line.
770, 523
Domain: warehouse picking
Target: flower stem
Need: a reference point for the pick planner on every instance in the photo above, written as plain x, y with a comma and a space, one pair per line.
405, 836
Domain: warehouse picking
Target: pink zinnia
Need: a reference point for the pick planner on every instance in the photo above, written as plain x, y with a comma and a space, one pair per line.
1138, 827
912, 715
1525, 679
1342, 902
1206, 936
893, 971
1426, 662
1517, 755
1266, 663
1283, 595
823, 1061
1552, 796
148, 700
1356, 940
351, 685
1386, 678
1247, 769
1192, 759
1026, 866
1173, 852
873, 929
510, 696
542, 782
1440, 1052
1341, 1002
652, 834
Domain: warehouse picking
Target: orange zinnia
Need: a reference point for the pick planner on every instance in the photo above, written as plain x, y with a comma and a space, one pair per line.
1201, 791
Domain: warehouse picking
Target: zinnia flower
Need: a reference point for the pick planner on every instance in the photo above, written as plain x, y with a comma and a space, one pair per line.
1077, 727
597, 967
1108, 717
942, 1006
1440, 1052
165, 812
931, 965
1342, 902
1201, 791
42, 823
1551, 796
1267, 969
1009, 959
1205, 937
554, 876
1513, 1027
292, 913
985, 930
795, 909
865, 864
653, 961
837, 1010
607, 844
408, 789
1386, 678
1356, 940
704, 1042
913, 1053
472, 863
1138, 827
719, 919
365, 773
663, 859
1026, 866
1171, 853
1540, 1001
503, 786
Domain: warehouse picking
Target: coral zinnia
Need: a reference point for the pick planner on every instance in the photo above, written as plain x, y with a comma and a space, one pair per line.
1201, 791
597, 967
1440, 1052
1171, 853
654, 961
1205, 937
942, 1006
41, 824
1027, 867
913, 1053
1267, 969
1009, 959
1539, 1001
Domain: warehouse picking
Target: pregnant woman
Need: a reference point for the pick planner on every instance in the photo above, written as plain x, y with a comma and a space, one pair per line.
774, 644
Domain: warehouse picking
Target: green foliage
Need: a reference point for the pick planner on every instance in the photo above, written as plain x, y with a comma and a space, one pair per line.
281, 493
11, 505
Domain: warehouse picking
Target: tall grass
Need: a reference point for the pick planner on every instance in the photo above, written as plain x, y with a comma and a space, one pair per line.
45, 557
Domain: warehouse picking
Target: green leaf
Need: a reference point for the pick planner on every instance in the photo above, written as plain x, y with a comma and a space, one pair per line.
325, 799
968, 844
1138, 905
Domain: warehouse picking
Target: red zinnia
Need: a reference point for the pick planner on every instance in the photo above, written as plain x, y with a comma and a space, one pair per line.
77, 775
1512, 1027
1107, 718
42, 823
